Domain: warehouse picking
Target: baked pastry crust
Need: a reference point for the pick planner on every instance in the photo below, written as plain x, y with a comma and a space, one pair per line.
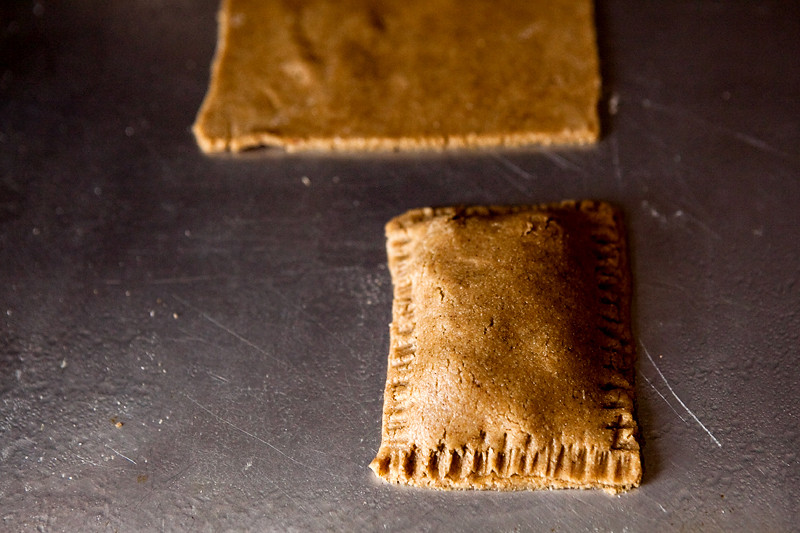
401, 74
511, 363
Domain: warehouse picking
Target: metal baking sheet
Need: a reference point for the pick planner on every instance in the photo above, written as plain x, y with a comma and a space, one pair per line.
195, 343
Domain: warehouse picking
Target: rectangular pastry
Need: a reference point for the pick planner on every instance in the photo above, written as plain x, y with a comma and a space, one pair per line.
511, 363
401, 75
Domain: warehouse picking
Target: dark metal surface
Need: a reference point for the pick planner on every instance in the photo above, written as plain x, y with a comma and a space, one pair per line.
200, 344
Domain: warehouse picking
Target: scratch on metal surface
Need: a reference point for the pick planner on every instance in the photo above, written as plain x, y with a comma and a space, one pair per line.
175, 477
615, 161
167, 484
745, 138
718, 443
167, 281
318, 451
667, 285
251, 435
686, 192
259, 439
327, 331
224, 327
511, 166
185, 279
515, 170
286, 365
662, 396
678, 214
705, 227
85, 461
123, 456
560, 161
735, 304
189, 338
215, 376
310, 318
651, 135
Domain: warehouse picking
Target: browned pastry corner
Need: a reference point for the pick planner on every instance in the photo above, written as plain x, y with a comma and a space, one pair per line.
511, 363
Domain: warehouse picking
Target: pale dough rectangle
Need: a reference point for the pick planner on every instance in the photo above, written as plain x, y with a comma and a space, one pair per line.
401, 74
511, 363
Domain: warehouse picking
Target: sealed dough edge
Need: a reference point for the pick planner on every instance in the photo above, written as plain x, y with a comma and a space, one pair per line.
391, 144
483, 439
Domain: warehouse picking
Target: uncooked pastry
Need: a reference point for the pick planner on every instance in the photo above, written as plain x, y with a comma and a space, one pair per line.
401, 74
511, 362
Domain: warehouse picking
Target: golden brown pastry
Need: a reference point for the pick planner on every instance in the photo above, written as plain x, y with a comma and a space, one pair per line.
401, 74
511, 362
